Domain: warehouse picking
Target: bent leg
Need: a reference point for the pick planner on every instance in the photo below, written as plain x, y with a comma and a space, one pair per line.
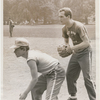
85, 63
72, 75
54, 82
39, 88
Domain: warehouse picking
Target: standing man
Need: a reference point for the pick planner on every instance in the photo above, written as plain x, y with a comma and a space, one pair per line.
81, 53
52, 75
11, 26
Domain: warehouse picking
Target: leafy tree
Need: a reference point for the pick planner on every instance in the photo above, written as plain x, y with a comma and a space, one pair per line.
88, 9
45, 10
6, 8
25, 10
20, 10
82, 9
49, 10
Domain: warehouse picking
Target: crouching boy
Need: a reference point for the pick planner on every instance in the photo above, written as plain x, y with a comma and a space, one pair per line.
52, 74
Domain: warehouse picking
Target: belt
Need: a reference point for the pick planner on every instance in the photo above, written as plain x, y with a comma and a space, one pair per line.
53, 70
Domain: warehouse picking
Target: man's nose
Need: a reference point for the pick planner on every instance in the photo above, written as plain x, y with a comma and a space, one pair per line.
14, 51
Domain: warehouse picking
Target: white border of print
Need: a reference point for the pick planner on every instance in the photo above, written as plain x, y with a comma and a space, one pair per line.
98, 49
1, 47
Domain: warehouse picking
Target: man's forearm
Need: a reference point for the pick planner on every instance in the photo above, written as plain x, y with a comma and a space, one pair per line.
31, 85
80, 46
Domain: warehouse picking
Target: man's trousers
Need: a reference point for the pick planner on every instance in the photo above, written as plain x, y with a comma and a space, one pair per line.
80, 61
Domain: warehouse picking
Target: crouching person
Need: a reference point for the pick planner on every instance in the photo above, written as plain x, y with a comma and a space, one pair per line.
52, 74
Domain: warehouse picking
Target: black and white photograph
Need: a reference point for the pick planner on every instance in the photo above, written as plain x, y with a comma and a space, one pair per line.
50, 50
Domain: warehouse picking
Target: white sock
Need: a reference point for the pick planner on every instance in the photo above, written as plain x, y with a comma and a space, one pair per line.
73, 97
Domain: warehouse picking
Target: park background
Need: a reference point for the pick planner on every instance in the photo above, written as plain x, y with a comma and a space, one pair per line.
37, 21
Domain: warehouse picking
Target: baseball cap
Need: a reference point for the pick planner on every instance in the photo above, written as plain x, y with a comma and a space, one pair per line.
20, 42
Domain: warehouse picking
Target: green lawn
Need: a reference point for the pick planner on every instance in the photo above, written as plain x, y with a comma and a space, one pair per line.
47, 31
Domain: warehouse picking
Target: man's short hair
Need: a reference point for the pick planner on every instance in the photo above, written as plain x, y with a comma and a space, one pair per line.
67, 11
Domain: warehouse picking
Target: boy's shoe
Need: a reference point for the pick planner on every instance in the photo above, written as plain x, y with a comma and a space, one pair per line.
72, 98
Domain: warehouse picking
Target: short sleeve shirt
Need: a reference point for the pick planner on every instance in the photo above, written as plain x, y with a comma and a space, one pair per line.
75, 32
45, 63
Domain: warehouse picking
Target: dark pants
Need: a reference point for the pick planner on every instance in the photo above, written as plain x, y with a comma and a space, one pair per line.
80, 61
11, 31
51, 82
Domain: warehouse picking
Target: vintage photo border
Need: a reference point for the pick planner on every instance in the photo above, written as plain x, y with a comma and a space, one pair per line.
97, 25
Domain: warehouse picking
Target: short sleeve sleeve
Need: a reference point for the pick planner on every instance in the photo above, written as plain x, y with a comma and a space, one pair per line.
82, 31
31, 59
64, 32
31, 56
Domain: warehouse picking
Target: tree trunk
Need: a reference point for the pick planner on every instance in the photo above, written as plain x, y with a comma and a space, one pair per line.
36, 20
45, 19
86, 20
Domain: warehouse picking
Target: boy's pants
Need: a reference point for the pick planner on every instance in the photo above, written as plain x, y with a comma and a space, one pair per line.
51, 83
80, 61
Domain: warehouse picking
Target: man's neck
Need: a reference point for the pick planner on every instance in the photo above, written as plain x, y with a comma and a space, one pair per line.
70, 24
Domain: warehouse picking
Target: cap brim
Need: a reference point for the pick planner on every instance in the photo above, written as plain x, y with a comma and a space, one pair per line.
14, 47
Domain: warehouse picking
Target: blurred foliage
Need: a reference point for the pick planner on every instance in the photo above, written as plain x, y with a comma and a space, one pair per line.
46, 11
82, 9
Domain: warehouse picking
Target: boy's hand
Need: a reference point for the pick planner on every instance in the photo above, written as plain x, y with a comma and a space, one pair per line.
23, 96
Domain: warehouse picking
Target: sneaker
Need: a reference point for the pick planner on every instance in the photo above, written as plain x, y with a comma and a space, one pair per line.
72, 98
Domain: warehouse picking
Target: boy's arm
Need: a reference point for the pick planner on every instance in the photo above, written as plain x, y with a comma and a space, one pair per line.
34, 74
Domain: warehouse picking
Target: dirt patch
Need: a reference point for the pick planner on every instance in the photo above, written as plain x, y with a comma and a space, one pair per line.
16, 75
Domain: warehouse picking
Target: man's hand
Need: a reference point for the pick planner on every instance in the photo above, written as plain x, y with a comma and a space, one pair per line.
64, 51
23, 96
68, 49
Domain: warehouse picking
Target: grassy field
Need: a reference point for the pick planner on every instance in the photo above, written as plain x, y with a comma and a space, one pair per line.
47, 31
46, 38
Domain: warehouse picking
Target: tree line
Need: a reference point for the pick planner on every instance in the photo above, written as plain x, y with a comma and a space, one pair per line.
46, 11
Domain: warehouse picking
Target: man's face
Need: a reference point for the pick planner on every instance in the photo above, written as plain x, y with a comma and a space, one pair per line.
64, 20
18, 52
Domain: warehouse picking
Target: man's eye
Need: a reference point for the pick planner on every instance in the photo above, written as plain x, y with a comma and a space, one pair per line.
16, 49
61, 16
